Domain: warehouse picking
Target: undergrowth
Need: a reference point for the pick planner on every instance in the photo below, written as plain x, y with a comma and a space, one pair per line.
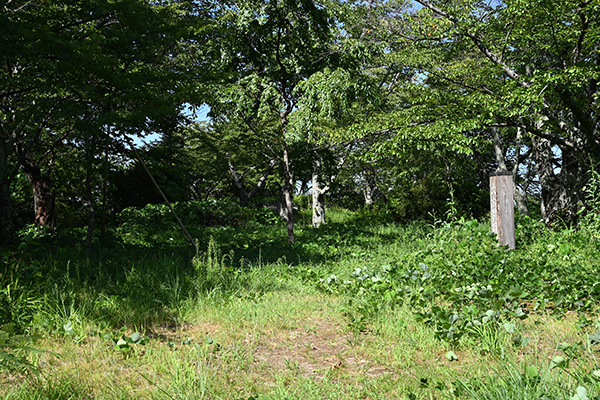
451, 277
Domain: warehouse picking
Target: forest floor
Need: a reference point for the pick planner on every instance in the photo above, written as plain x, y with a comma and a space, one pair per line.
228, 326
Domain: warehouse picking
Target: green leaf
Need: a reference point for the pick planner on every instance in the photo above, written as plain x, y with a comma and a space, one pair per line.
558, 362
68, 327
581, 394
510, 327
531, 371
563, 346
451, 356
135, 337
122, 345
520, 314
595, 338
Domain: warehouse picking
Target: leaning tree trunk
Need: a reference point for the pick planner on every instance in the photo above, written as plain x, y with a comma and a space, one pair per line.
44, 201
288, 187
318, 205
243, 194
237, 182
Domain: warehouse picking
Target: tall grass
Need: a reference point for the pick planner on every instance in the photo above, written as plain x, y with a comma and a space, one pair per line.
401, 295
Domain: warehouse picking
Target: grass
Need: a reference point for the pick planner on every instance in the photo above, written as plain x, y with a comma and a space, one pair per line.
354, 310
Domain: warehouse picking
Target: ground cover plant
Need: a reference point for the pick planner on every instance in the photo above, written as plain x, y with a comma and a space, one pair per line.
237, 119
352, 310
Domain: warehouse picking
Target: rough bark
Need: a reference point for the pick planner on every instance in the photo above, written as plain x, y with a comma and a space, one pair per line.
371, 191
318, 205
560, 189
520, 196
44, 199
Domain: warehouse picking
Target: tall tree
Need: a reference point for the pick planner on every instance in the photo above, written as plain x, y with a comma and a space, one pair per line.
274, 45
72, 69
532, 65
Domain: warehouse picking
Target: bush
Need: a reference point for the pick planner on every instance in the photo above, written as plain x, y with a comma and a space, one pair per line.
155, 224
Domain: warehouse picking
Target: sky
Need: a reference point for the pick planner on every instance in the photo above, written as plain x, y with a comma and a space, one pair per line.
197, 114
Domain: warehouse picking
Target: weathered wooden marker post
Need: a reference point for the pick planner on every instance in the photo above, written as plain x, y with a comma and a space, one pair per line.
502, 209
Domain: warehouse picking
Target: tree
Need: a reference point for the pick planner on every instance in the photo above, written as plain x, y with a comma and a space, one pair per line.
528, 65
273, 46
322, 160
75, 70
247, 157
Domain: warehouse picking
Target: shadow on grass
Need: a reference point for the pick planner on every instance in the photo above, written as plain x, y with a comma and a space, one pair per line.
145, 280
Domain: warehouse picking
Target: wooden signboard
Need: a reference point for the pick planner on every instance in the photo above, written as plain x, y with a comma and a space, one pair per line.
502, 209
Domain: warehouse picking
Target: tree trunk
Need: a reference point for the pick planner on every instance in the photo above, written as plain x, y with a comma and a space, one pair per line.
89, 240
521, 200
561, 190
6, 220
104, 190
44, 201
371, 191
318, 206
521, 197
243, 194
237, 182
288, 187
368, 193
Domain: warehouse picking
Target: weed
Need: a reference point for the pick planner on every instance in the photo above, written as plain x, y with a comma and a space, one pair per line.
352, 310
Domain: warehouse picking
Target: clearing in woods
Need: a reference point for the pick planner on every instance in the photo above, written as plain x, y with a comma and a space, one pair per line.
353, 311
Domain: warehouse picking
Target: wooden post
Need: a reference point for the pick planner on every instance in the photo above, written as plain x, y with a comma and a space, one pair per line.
502, 209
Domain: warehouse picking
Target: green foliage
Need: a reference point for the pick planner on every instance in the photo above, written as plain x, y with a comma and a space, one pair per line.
462, 284
124, 343
213, 269
449, 279
332, 98
591, 219
154, 224
13, 349
53, 387
518, 381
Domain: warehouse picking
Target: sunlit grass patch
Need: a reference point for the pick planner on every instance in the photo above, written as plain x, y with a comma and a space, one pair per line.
352, 310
